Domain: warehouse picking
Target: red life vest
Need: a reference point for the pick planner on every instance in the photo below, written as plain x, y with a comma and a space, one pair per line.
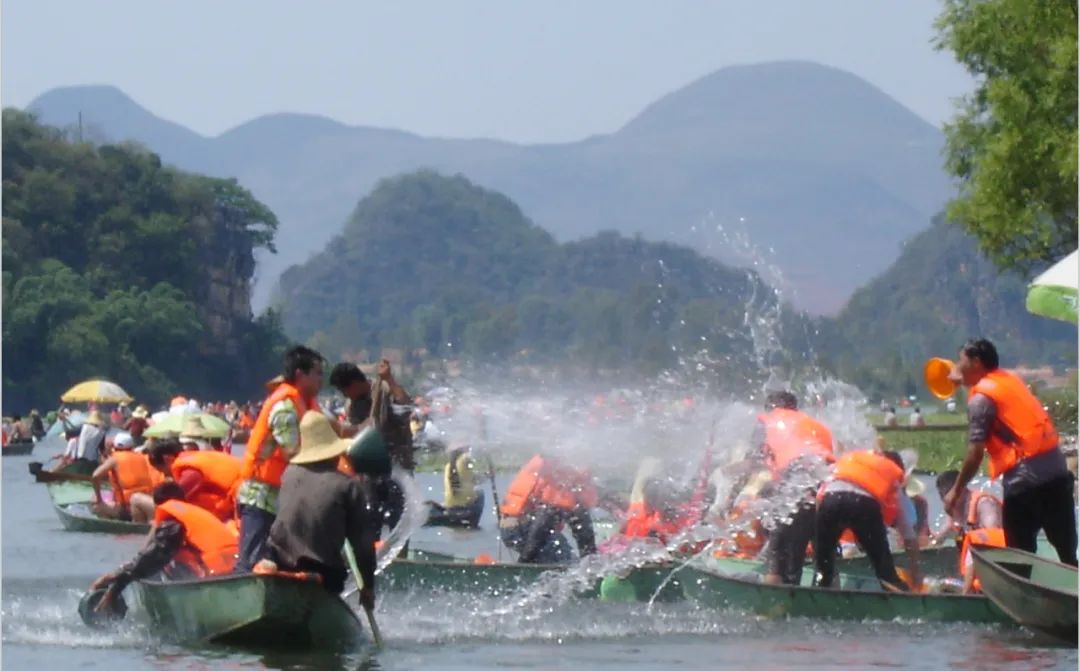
540, 482
264, 460
875, 473
790, 434
219, 472
1022, 413
210, 546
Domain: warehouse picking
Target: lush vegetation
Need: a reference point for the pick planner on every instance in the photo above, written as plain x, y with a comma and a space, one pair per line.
940, 292
116, 266
1013, 142
436, 264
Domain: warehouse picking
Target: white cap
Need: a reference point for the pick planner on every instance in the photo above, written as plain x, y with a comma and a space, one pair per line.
123, 441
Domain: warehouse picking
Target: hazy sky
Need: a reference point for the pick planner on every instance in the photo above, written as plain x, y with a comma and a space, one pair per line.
537, 71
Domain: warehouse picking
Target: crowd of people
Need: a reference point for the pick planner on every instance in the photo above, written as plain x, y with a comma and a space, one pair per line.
306, 484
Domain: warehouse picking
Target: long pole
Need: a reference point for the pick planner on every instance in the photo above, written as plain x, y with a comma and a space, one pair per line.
350, 557
495, 498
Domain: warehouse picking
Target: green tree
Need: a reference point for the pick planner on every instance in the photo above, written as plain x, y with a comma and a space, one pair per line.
1013, 142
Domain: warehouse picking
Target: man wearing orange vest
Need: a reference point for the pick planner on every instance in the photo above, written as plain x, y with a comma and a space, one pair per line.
544, 495
128, 473
209, 480
193, 541
796, 449
865, 494
1007, 421
274, 438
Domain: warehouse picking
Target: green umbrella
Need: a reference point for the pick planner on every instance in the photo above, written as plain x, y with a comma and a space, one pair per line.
1053, 294
197, 424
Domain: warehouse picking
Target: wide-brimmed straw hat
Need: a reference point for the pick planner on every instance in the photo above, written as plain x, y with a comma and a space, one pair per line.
140, 412
318, 440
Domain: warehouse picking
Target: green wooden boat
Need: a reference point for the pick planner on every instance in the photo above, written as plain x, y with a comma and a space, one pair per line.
1035, 592
252, 610
938, 561
714, 590
753, 569
435, 571
71, 500
78, 517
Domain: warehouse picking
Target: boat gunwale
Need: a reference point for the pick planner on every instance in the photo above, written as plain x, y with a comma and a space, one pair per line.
829, 590
980, 558
68, 518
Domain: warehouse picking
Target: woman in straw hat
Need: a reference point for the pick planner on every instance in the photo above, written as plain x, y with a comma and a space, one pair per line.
319, 508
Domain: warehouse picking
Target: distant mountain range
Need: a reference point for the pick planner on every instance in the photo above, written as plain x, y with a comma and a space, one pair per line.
811, 162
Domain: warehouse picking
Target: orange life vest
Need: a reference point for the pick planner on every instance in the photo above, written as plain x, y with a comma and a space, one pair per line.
994, 537
974, 499
132, 474
748, 543
542, 483
790, 434
219, 472
877, 474
264, 460
1022, 413
210, 546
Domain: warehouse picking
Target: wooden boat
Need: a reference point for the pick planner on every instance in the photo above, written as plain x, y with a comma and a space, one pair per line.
76, 471
21, 448
435, 571
753, 569
936, 561
77, 516
711, 589
1036, 592
65, 493
253, 610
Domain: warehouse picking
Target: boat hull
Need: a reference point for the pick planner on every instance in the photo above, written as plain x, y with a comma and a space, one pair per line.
76, 516
431, 571
252, 610
1035, 592
713, 590
20, 449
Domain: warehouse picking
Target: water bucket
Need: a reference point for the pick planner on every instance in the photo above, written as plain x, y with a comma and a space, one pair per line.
367, 454
97, 619
936, 372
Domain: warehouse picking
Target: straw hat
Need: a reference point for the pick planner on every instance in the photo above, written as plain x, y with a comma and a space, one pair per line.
912, 486
318, 440
192, 428
140, 412
94, 419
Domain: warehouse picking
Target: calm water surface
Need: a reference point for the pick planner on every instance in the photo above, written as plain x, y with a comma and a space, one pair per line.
45, 571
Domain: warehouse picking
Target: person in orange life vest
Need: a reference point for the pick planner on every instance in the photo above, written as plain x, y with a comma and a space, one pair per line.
1007, 422
796, 449
977, 510
274, 438
866, 494
128, 473
544, 495
209, 479
745, 536
185, 541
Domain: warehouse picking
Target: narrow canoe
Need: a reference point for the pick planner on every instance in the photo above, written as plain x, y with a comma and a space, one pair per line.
78, 517
752, 569
1035, 592
21, 448
713, 590
252, 610
435, 571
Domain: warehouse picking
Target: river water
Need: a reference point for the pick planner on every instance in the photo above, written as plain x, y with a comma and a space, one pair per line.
45, 570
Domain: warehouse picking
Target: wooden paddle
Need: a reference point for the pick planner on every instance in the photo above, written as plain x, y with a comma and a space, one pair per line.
495, 497
350, 557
